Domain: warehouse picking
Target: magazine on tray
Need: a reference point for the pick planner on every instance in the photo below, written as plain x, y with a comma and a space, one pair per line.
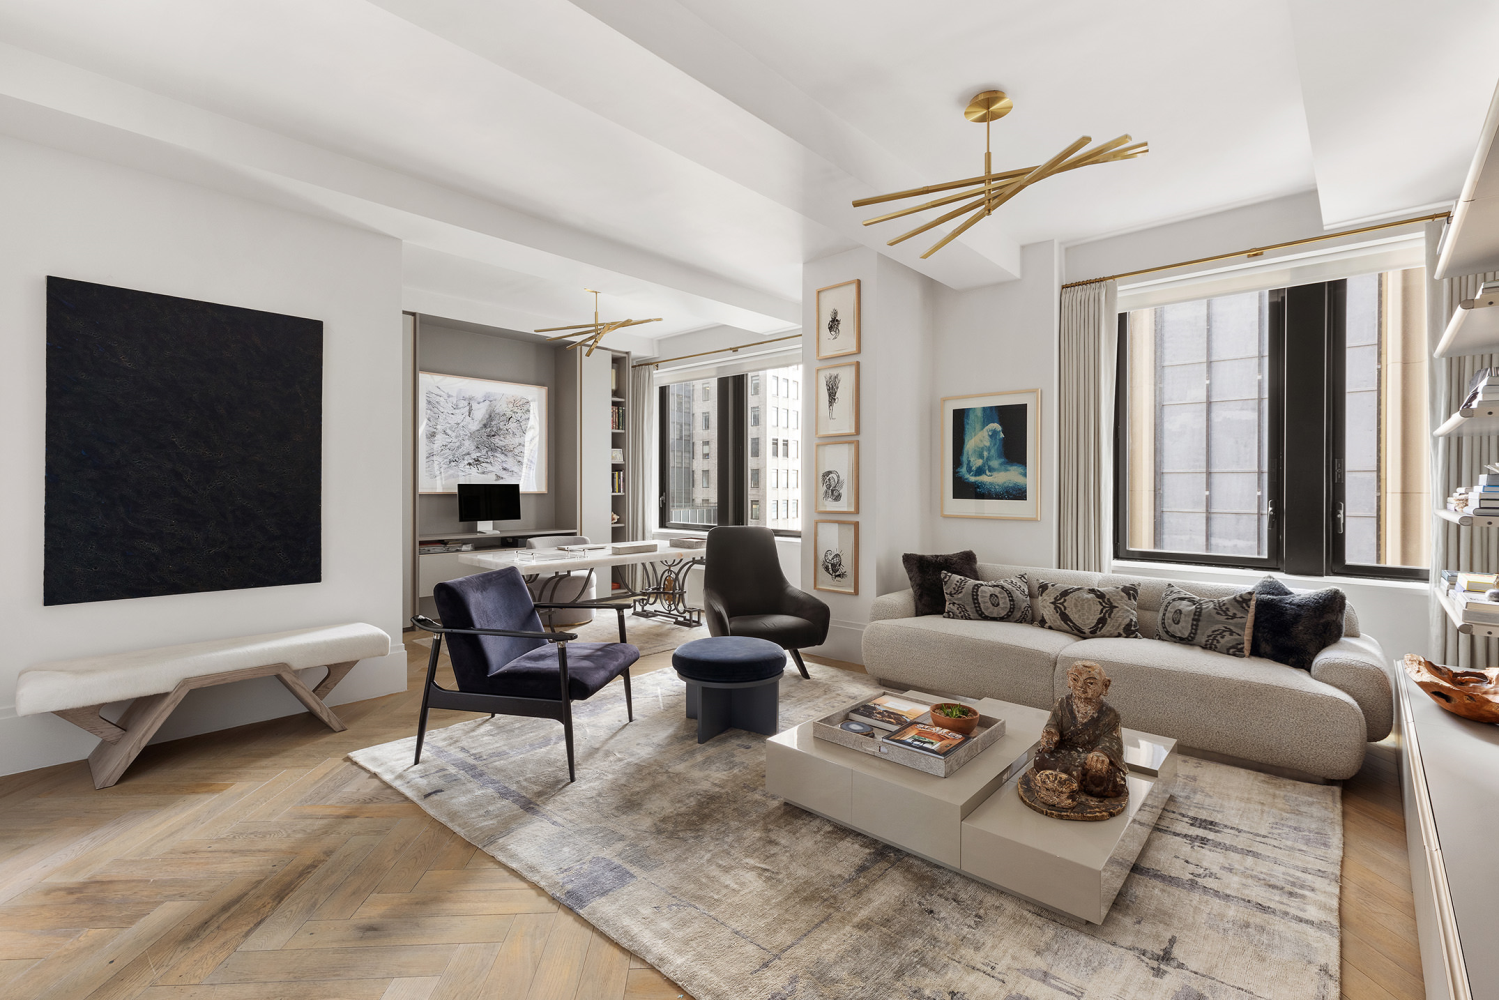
926, 738
888, 712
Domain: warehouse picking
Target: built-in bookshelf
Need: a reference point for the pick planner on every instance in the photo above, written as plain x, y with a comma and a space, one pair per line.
619, 445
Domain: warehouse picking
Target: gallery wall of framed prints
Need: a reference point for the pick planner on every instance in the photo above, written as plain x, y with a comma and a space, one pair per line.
991, 455
835, 543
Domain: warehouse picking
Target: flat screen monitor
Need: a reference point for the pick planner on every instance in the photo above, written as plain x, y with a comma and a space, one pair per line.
489, 501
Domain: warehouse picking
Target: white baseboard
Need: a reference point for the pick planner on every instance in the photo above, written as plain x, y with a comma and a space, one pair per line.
29, 742
845, 641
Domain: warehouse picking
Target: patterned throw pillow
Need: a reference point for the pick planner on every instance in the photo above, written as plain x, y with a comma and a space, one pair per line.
1091, 612
987, 600
1221, 624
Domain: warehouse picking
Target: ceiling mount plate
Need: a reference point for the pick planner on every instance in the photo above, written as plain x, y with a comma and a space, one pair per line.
990, 106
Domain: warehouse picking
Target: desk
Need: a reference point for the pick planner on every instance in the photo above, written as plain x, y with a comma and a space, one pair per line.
665, 567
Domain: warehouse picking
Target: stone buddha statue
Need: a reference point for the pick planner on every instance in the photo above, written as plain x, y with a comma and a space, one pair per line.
1081, 745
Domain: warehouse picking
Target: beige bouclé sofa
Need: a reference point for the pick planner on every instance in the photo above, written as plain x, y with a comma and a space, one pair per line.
1250, 709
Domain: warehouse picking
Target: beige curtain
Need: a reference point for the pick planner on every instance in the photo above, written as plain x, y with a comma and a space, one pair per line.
1456, 461
640, 465
1085, 426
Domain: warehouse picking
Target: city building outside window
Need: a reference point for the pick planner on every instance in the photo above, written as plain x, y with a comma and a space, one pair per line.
775, 447
706, 483
707, 453
754, 416
754, 479
775, 416
754, 385
1208, 391
707, 391
754, 511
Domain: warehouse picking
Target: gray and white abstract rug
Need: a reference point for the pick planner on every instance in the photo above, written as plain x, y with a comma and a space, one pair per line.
676, 852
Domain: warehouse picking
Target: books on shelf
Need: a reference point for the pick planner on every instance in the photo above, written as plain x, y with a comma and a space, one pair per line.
616, 418
429, 548
888, 712
926, 738
616, 482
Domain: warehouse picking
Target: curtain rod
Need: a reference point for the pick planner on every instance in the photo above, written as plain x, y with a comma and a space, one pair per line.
722, 350
1257, 251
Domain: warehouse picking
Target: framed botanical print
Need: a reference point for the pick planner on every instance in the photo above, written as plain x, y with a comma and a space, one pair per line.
837, 478
838, 399
991, 455
836, 557
838, 320
476, 430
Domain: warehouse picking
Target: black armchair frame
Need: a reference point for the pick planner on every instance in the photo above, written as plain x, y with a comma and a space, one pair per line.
435, 695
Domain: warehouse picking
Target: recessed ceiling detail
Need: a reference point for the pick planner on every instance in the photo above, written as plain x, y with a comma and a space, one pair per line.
994, 189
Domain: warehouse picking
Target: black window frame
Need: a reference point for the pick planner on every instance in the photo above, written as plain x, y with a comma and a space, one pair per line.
1307, 338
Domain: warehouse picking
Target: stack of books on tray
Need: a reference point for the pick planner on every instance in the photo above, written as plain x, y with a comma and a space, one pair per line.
1467, 592
901, 722
928, 739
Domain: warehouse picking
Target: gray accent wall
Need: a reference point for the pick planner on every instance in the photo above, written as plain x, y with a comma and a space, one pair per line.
453, 348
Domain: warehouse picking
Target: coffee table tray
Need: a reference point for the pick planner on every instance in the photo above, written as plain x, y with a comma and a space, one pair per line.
990, 730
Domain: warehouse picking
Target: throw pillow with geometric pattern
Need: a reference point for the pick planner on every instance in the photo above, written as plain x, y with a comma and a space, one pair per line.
1221, 624
987, 600
1091, 612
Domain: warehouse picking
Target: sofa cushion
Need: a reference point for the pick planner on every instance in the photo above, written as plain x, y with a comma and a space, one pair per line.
925, 573
1293, 628
971, 659
1089, 612
987, 600
1251, 708
1219, 624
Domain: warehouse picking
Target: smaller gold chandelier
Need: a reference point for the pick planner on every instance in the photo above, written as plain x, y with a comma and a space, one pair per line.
993, 190
592, 333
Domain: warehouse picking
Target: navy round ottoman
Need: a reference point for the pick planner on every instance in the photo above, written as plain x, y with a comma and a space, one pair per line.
733, 682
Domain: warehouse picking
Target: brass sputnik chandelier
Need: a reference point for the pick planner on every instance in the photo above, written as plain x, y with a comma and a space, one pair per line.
592, 333
991, 190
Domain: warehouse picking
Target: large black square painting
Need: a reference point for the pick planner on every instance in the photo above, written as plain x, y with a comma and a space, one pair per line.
184, 446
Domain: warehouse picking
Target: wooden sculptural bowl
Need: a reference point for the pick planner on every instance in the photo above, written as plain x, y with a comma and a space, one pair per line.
1472, 694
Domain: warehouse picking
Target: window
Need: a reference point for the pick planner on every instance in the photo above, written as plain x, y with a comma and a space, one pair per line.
796, 392
1271, 429
793, 512
796, 419
711, 466
796, 479
796, 447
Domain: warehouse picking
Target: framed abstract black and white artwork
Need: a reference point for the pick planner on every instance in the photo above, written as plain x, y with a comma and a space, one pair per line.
475, 430
836, 556
838, 320
838, 399
991, 452
837, 478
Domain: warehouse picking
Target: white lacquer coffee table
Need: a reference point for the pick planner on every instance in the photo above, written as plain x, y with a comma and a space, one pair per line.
973, 821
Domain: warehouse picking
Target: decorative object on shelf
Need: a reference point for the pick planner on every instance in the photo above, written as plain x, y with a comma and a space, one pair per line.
836, 555
1079, 771
184, 446
838, 399
481, 431
838, 478
991, 452
1472, 694
592, 333
838, 320
990, 190
616, 454
961, 719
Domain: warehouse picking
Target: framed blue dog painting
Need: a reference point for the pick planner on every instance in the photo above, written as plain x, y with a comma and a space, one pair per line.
991, 451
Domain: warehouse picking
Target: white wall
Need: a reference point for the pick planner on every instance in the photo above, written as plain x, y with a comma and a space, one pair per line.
999, 339
80, 218
895, 430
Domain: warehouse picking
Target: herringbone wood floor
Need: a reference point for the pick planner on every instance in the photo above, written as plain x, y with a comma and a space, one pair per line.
257, 863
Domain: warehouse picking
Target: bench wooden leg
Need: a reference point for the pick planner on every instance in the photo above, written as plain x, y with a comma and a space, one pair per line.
120, 744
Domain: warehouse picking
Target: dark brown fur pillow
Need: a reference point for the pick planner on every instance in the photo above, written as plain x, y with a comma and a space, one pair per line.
926, 577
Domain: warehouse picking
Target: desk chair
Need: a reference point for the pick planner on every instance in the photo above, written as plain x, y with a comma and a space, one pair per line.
745, 593
505, 664
570, 588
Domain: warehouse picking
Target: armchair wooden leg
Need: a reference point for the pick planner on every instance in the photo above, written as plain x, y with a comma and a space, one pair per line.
797, 656
421, 719
629, 703
567, 709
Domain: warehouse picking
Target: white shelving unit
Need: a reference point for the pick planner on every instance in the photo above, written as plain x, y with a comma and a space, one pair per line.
1474, 328
1470, 421
1466, 628
1468, 520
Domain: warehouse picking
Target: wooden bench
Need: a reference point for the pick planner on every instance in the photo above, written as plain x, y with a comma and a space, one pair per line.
158, 679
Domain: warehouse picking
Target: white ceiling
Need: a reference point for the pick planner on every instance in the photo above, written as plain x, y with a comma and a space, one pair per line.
686, 156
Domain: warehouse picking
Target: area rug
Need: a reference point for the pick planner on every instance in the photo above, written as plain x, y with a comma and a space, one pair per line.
677, 852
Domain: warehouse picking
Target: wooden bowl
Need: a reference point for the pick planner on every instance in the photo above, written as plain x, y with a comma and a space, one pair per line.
964, 725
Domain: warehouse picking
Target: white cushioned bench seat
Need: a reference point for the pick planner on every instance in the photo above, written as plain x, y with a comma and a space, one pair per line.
158, 679
99, 680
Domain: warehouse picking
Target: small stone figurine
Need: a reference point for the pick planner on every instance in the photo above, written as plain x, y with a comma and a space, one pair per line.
1079, 768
